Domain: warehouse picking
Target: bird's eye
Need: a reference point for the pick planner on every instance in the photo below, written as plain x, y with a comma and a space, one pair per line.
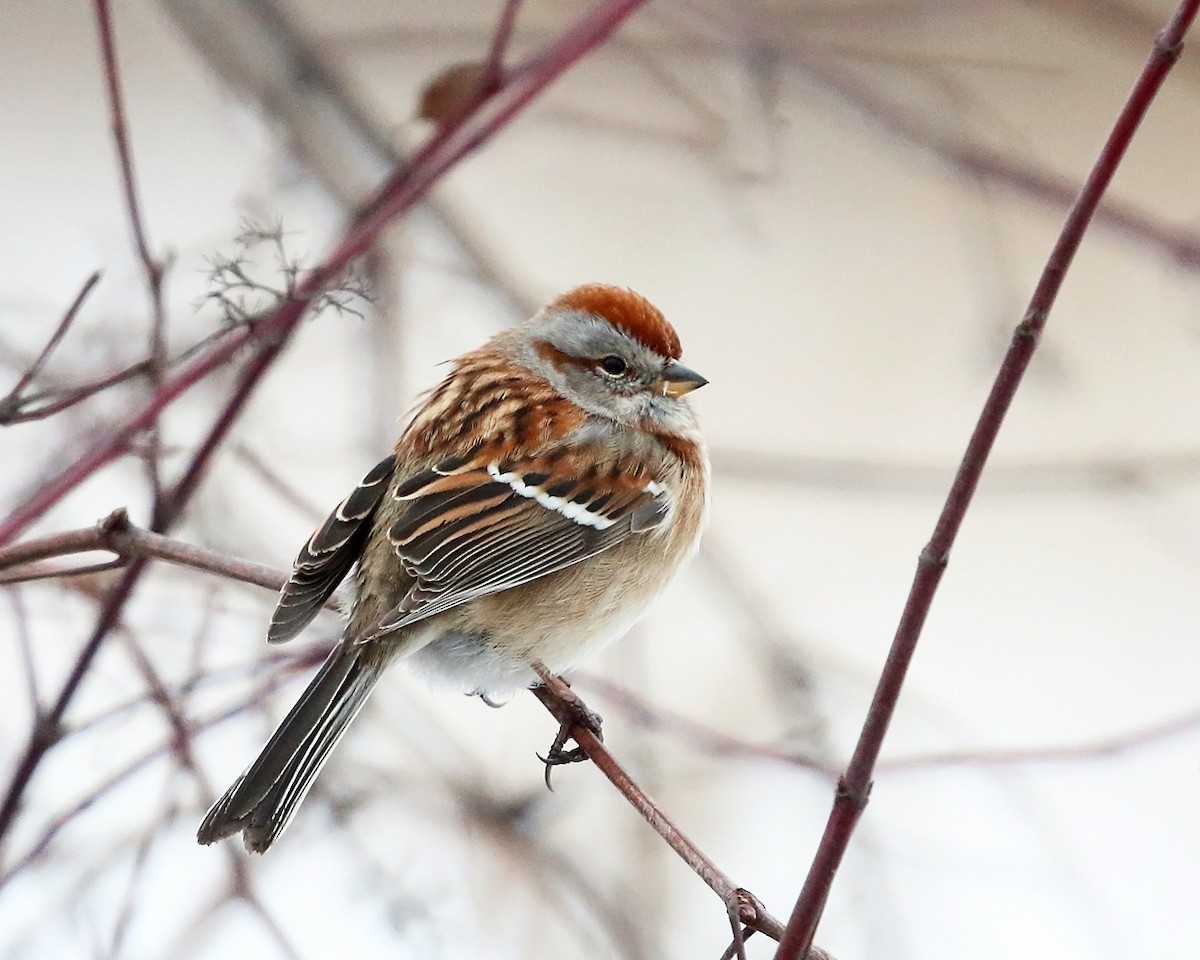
613, 365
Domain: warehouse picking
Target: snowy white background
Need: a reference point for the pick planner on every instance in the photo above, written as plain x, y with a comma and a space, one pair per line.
786, 181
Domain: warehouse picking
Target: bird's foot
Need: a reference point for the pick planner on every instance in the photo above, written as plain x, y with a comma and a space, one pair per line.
571, 712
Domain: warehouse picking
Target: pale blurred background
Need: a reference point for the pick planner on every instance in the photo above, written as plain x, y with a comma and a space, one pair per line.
843, 207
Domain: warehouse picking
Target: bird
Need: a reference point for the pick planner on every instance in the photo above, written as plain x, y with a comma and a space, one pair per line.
541, 496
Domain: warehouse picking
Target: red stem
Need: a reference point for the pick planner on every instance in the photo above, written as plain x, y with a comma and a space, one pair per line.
494, 72
855, 784
116, 105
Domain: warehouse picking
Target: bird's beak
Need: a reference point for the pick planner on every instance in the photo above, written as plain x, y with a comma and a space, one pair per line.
676, 380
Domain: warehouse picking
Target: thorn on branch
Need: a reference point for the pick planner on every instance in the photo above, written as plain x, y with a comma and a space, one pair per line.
930, 556
1031, 326
857, 798
113, 526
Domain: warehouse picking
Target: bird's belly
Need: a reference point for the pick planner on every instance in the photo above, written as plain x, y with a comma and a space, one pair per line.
487, 644
471, 662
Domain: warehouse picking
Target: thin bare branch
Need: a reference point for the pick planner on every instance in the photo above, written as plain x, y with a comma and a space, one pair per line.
12, 402
63, 400
28, 667
116, 106
493, 74
855, 785
151, 268
115, 533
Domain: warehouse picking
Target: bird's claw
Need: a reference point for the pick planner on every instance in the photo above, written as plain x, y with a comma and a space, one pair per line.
577, 714
488, 699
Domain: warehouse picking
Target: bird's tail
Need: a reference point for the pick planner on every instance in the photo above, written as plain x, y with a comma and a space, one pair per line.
262, 800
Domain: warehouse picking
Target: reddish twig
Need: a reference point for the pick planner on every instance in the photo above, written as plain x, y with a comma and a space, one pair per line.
116, 105
855, 784
493, 71
744, 908
152, 268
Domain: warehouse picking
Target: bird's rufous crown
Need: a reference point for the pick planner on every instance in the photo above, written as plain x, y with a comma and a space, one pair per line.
627, 311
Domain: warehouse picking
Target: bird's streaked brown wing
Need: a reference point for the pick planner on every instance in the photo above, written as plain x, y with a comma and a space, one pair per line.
328, 555
474, 528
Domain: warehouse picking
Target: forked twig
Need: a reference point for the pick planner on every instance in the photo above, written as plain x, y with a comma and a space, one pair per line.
117, 534
10, 405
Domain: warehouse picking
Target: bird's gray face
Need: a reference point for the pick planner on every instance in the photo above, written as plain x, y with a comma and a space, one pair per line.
608, 372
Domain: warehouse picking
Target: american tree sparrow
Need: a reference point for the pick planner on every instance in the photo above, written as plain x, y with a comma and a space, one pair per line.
543, 494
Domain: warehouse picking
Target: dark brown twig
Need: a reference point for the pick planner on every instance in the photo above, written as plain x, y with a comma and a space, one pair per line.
855, 785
